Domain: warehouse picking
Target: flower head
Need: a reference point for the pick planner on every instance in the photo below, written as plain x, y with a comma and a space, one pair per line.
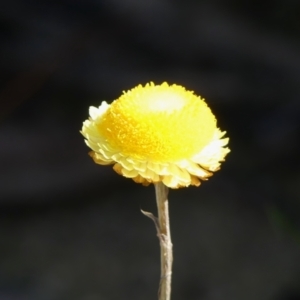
157, 133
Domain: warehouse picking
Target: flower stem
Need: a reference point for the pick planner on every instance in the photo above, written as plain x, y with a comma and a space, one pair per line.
163, 231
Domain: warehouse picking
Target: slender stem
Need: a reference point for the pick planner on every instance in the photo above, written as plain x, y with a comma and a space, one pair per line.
166, 254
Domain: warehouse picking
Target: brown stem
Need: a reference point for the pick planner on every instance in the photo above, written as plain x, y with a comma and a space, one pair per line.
163, 231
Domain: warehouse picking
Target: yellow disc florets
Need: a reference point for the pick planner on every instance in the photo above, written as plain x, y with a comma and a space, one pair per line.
159, 123
157, 133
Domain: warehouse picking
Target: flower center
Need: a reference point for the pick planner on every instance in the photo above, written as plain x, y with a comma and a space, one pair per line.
159, 123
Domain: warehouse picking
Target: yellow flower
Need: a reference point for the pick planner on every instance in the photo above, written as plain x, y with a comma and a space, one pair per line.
157, 133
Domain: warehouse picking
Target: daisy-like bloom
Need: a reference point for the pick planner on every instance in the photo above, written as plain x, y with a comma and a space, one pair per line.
157, 133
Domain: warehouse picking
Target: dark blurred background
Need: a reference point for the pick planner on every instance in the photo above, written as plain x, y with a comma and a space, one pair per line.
70, 229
